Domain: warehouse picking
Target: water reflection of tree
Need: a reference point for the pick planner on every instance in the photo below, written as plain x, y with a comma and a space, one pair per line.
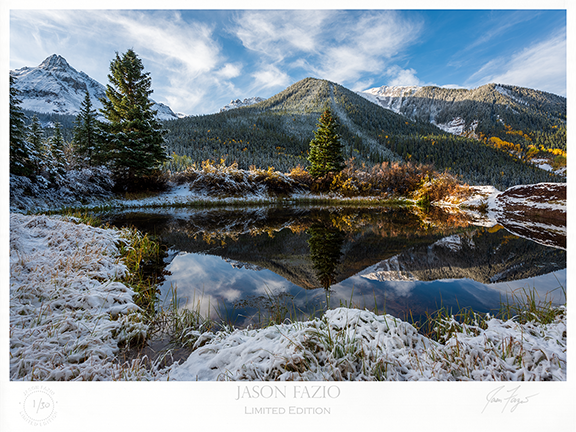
325, 251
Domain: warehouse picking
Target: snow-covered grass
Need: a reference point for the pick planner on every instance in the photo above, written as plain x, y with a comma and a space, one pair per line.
353, 344
80, 187
69, 310
70, 313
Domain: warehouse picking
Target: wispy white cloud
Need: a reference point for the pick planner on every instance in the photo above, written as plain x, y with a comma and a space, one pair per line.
165, 37
230, 70
330, 44
541, 66
280, 34
184, 57
494, 28
271, 76
403, 77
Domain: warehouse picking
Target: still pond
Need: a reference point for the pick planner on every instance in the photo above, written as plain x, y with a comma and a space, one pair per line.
242, 265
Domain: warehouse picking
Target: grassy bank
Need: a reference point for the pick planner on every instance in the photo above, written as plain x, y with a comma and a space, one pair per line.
217, 185
70, 310
382, 181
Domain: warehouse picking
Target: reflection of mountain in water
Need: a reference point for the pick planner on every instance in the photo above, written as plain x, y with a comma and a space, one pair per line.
290, 246
278, 238
381, 243
484, 255
240, 265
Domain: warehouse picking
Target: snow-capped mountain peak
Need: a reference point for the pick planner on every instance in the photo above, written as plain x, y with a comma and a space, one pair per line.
237, 103
55, 62
396, 91
56, 87
389, 97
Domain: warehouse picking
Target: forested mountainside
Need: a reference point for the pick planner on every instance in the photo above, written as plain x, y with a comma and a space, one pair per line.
496, 131
48, 120
514, 115
277, 132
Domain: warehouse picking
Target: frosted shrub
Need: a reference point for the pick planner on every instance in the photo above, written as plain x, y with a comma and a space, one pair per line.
228, 180
301, 175
442, 187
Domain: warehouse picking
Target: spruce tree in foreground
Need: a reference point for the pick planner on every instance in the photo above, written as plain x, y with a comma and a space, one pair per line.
134, 141
325, 149
20, 148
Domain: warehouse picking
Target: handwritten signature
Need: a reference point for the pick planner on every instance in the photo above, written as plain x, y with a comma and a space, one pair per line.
507, 398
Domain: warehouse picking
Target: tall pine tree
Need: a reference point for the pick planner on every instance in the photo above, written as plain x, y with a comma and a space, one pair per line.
20, 148
135, 138
57, 154
87, 141
326, 149
36, 138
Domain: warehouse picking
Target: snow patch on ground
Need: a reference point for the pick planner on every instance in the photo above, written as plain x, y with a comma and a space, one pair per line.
178, 195
389, 97
457, 126
81, 187
505, 92
68, 310
545, 165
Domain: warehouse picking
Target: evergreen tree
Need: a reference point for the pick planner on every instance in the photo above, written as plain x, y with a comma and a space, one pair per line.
35, 137
20, 150
87, 141
57, 156
325, 244
134, 144
326, 149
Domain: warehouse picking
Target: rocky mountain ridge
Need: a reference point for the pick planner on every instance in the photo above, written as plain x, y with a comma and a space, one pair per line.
55, 87
237, 103
461, 111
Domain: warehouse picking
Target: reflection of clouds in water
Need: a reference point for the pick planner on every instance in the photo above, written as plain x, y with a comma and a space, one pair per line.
231, 294
392, 288
548, 287
402, 289
203, 303
212, 285
185, 265
271, 286
210, 282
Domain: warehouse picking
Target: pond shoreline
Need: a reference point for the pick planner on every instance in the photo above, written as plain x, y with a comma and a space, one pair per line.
204, 342
37, 327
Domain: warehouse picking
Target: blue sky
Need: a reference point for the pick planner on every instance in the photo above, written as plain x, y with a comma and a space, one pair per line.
201, 59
